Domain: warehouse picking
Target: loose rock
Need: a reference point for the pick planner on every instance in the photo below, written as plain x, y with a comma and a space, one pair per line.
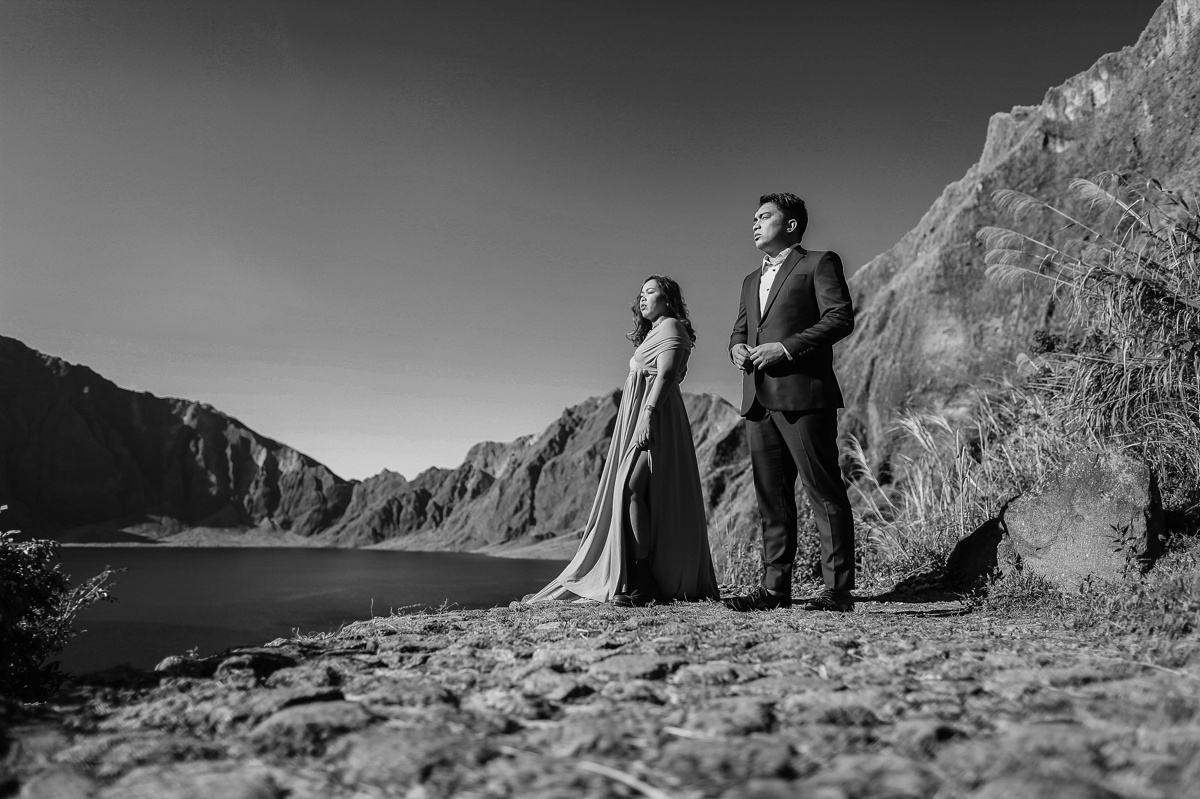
305, 729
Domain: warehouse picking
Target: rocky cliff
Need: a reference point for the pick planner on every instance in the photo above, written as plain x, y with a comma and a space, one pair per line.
84, 460
929, 323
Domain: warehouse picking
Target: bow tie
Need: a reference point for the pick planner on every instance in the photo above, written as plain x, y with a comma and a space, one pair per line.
771, 263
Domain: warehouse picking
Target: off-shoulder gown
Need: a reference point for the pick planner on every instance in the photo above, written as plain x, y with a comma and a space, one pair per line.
680, 558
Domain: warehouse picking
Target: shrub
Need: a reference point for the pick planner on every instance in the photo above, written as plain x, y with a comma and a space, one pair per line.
38, 607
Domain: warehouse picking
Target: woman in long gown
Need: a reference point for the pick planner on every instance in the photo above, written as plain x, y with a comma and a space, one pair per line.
646, 537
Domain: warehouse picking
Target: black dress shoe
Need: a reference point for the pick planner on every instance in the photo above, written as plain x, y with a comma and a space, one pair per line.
758, 599
635, 599
828, 599
642, 589
623, 599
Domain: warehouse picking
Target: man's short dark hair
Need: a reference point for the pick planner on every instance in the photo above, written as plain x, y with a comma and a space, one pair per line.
792, 208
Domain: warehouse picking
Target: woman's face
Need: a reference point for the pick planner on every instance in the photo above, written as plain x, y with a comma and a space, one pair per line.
652, 303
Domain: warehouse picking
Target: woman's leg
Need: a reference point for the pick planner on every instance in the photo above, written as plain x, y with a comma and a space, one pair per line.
639, 589
638, 509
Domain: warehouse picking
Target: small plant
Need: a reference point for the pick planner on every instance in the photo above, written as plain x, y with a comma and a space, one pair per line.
1127, 542
38, 608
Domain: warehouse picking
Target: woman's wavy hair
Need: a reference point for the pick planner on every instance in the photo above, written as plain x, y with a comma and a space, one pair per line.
676, 309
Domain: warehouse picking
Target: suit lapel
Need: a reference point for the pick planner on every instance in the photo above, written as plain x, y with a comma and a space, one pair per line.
794, 257
752, 310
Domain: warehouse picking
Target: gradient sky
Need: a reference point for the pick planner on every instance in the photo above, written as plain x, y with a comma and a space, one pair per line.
382, 232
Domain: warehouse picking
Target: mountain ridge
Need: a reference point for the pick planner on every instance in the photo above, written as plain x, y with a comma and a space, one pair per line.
85, 461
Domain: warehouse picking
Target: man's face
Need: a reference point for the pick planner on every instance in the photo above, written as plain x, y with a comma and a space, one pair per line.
772, 232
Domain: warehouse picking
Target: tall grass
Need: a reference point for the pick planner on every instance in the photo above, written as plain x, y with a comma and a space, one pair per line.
1126, 360
948, 477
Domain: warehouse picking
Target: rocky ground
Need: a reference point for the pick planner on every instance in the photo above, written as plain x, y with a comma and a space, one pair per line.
899, 699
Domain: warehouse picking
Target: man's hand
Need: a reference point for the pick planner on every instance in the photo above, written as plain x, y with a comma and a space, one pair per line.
740, 355
765, 355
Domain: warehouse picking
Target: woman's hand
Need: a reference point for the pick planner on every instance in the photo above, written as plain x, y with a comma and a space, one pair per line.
643, 431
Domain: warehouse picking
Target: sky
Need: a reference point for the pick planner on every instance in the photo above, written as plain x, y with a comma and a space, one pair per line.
381, 232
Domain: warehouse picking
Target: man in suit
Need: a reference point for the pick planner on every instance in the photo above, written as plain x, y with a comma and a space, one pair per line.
793, 308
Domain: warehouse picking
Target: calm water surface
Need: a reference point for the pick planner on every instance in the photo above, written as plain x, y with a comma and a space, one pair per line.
178, 598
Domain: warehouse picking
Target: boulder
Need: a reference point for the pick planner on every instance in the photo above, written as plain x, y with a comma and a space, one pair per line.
1101, 518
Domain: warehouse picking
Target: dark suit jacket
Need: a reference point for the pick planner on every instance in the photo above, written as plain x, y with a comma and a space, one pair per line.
808, 309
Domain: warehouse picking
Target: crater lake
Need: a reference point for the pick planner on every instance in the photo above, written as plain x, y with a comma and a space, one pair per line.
171, 600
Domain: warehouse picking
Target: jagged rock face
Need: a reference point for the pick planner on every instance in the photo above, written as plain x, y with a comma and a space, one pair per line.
929, 323
82, 458
502, 491
548, 480
542, 486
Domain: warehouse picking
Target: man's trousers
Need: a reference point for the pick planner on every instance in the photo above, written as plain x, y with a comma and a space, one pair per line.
784, 445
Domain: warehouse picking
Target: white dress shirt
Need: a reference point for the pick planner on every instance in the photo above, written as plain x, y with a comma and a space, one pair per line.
770, 268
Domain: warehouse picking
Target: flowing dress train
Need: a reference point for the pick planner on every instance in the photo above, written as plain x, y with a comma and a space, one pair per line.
679, 555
